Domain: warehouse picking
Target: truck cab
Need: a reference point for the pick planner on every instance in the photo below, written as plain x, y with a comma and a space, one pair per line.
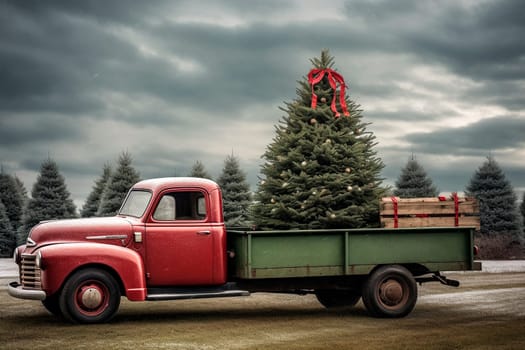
183, 241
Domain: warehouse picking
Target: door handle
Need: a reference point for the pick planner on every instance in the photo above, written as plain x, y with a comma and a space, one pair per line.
203, 233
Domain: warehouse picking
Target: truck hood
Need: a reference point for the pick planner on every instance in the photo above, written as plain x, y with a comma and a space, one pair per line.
113, 230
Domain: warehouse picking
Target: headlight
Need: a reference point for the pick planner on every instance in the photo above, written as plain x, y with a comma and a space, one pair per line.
38, 260
30, 242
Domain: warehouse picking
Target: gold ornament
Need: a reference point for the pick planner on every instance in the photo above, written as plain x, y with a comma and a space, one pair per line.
313, 121
303, 163
349, 188
348, 170
332, 216
323, 99
272, 200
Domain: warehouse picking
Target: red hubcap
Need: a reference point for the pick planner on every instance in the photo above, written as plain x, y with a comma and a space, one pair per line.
91, 298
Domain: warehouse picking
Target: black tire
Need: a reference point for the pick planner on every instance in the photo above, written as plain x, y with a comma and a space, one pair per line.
390, 292
90, 296
51, 304
337, 298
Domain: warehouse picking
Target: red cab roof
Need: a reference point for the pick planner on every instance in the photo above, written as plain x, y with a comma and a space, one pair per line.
159, 184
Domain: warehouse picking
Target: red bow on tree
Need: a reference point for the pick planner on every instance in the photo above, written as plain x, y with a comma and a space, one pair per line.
334, 78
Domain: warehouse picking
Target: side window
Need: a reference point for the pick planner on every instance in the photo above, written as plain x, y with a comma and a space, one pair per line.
181, 206
166, 208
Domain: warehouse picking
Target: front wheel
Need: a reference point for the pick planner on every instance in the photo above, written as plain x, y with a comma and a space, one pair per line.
90, 296
390, 291
51, 304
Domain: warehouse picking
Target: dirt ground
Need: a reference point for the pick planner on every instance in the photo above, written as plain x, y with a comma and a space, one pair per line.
486, 312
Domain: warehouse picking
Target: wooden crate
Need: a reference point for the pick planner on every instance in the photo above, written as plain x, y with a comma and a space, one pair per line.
398, 212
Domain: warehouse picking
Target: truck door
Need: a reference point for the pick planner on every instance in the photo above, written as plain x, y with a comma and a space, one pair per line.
179, 240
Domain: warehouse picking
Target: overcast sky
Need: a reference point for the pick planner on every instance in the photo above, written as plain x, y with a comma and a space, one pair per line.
172, 82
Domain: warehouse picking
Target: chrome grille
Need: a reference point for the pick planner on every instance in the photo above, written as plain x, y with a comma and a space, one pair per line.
29, 274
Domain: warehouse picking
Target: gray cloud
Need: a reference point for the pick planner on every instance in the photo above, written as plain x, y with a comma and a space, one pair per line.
475, 139
83, 81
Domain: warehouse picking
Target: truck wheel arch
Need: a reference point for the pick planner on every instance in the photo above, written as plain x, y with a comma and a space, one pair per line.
61, 261
103, 267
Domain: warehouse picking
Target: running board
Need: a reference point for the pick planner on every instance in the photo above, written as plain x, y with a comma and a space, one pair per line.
194, 293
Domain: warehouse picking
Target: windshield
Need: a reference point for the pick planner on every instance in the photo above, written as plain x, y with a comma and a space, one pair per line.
136, 203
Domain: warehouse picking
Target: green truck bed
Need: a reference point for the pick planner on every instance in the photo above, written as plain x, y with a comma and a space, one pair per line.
316, 253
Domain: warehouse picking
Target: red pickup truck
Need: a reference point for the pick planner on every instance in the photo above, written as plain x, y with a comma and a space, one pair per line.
169, 241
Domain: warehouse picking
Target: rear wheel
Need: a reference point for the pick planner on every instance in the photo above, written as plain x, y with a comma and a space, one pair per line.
337, 298
390, 291
90, 296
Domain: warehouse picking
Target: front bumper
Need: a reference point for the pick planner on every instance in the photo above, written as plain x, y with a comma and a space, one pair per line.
15, 289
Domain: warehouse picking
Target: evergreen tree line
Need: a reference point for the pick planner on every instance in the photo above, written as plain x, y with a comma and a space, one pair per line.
50, 198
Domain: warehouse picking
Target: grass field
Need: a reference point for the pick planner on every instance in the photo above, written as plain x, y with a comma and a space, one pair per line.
486, 312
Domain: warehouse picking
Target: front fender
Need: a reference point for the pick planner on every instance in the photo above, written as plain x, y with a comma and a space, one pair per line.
59, 261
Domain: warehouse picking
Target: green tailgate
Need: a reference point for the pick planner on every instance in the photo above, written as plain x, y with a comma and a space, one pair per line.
284, 254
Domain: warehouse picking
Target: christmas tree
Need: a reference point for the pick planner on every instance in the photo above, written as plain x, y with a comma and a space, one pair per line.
414, 182
235, 193
497, 201
50, 199
321, 170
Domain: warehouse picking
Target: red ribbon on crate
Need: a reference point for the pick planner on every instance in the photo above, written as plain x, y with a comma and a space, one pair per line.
334, 79
396, 219
456, 208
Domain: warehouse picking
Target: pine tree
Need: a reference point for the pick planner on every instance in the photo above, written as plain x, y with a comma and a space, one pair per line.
522, 210
12, 199
50, 199
497, 200
92, 204
22, 191
7, 235
320, 171
198, 170
414, 182
118, 186
235, 193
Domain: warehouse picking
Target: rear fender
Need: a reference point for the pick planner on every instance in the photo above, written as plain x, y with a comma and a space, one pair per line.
60, 260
